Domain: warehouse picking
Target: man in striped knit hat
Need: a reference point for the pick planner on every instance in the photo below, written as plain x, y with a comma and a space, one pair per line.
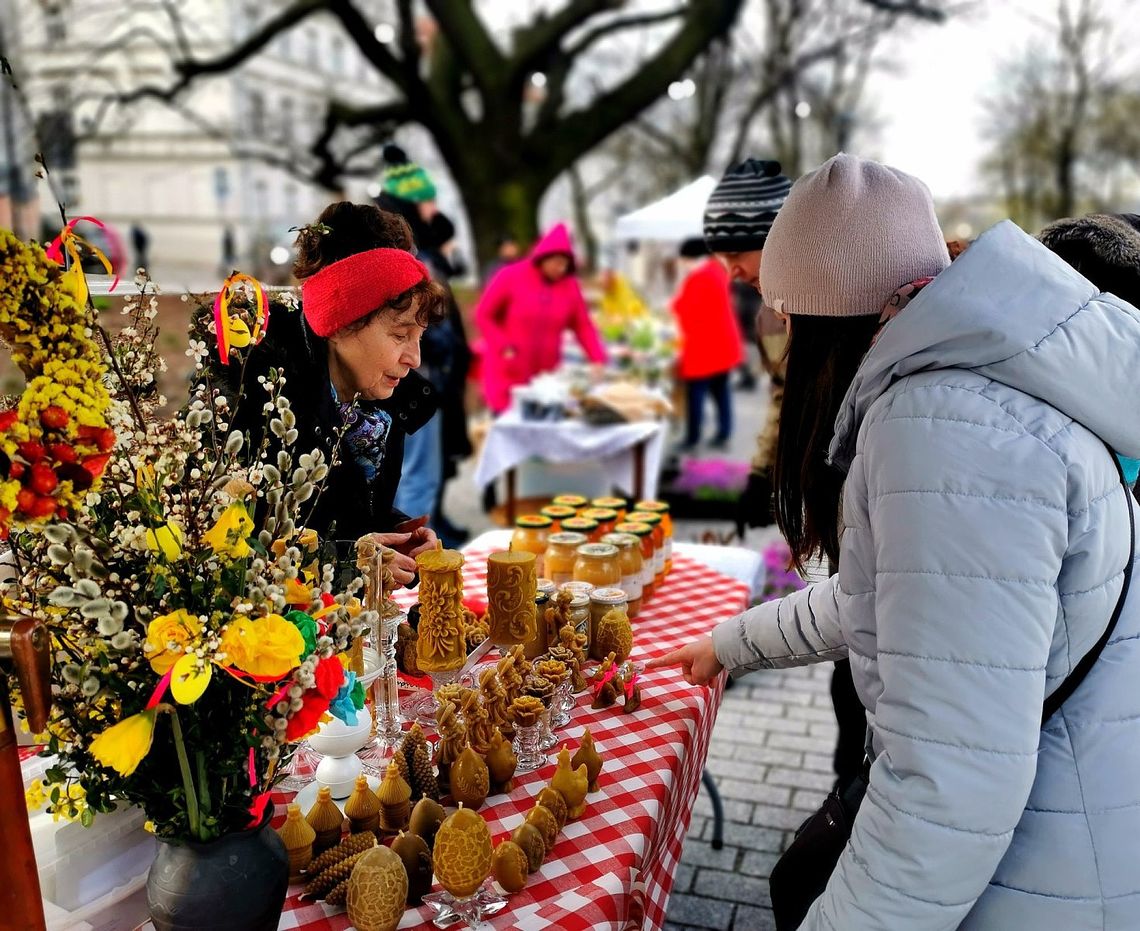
738, 216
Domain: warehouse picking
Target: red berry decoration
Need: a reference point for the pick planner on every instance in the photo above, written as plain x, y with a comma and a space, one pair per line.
54, 417
43, 480
63, 452
42, 507
17, 470
32, 450
96, 464
7, 418
25, 498
105, 440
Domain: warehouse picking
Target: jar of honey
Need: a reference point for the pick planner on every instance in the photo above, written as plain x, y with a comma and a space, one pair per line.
603, 600
632, 565
584, 526
577, 502
547, 586
655, 525
580, 615
598, 564
557, 514
606, 518
561, 551
661, 509
532, 532
612, 504
644, 534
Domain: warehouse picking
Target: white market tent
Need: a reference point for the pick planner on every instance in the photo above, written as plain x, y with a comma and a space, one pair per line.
672, 219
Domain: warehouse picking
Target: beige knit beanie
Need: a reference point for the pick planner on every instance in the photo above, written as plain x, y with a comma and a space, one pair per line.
849, 235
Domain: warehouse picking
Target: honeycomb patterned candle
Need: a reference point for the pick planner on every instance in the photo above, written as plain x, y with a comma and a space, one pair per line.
440, 640
377, 891
462, 857
470, 780
511, 581
553, 800
614, 635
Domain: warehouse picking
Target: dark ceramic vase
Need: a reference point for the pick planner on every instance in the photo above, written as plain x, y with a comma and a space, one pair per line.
235, 883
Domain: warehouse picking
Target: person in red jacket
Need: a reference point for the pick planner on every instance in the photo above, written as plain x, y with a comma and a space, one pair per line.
523, 312
710, 341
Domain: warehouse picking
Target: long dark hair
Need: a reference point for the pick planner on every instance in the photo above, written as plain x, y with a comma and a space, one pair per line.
823, 355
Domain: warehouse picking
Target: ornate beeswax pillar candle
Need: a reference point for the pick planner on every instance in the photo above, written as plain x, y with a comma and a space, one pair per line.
511, 581
441, 645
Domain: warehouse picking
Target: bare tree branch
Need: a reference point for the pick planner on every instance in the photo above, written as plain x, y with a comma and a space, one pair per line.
534, 43
470, 41
620, 24
913, 8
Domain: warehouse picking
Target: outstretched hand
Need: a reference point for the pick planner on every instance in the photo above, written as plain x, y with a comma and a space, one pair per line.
697, 660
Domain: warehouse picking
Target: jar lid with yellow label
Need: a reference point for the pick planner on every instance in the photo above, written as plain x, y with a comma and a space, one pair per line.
577, 502
580, 525
558, 511
644, 517
614, 504
637, 528
533, 521
601, 515
653, 507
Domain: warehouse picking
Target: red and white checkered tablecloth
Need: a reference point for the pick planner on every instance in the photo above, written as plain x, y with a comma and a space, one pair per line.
614, 867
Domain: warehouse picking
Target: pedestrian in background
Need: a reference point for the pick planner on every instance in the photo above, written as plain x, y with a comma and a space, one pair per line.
711, 347
523, 313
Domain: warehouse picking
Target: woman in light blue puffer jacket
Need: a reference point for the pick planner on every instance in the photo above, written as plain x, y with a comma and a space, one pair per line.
983, 539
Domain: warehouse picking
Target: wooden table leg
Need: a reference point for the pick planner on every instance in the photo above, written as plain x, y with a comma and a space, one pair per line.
19, 877
512, 496
639, 471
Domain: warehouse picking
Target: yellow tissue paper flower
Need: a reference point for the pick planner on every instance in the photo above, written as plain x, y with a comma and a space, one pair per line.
268, 647
297, 593
228, 536
123, 746
178, 628
166, 540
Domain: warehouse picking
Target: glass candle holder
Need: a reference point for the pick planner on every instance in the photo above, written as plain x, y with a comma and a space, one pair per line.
546, 738
563, 703
471, 910
527, 747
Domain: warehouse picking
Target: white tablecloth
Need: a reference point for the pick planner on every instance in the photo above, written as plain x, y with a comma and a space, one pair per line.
512, 441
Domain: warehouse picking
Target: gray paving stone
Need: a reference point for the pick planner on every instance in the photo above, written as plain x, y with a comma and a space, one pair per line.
799, 778
769, 755
696, 826
754, 792
819, 762
809, 799
772, 816
731, 886
734, 809
700, 912
812, 713
700, 852
753, 919
758, 863
797, 742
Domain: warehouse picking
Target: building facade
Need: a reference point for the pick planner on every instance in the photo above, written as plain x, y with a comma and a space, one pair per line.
201, 185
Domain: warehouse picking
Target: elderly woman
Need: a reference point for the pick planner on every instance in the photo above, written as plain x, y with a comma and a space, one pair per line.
348, 358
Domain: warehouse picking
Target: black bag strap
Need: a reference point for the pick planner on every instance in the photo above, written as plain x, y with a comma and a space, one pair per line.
1077, 676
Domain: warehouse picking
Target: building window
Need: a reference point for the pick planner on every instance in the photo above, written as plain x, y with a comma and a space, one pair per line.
256, 114
314, 43
287, 118
55, 23
336, 56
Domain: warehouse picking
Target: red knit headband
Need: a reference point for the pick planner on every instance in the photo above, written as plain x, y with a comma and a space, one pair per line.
345, 291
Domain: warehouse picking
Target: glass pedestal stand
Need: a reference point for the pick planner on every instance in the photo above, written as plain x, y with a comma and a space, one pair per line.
425, 708
302, 768
527, 748
546, 738
562, 705
387, 731
471, 910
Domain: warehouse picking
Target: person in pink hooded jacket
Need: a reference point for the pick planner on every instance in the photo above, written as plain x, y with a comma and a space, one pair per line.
523, 312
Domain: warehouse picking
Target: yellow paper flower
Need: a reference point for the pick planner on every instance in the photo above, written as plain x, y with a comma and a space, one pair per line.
269, 646
297, 593
178, 628
228, 536
166, 540
123, 746
308, 540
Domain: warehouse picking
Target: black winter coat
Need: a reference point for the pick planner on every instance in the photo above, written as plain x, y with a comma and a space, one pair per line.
349, 506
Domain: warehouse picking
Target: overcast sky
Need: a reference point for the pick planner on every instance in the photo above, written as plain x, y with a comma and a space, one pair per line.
929, 93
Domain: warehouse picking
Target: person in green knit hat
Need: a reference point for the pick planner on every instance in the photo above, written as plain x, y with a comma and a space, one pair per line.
406, 179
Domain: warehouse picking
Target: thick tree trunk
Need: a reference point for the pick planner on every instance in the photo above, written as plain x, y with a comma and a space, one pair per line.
503, 207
